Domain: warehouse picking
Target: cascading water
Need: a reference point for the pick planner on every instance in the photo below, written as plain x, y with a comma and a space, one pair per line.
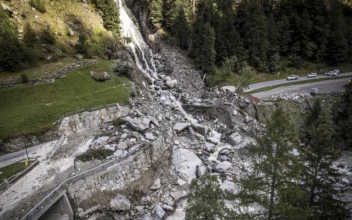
142, 53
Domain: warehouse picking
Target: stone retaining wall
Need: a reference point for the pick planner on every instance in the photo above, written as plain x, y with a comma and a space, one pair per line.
91, 120
119, 175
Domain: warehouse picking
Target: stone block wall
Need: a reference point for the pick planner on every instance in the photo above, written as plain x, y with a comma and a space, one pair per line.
118, 175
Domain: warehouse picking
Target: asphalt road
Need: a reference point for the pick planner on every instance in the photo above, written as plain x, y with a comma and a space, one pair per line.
284, 81
11, 158
323, 86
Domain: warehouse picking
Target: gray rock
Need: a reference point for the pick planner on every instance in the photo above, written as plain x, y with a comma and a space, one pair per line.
223, 158
209, 147
158, 213
181, 126
234, 139
109, 147
201, 129
201, 170
185, 162
71, 32
223, 166
124, 136
146, 217
167, 208
234, 112
138, 124
242, 103
122, 146
120, 203
213, 140
248, 119
101, 140
100, 76
156, 185
149, 136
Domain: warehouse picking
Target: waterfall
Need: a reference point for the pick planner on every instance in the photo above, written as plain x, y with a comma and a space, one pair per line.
141, 51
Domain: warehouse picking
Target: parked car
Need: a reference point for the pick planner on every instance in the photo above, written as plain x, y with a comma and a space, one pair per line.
331, 73
292, 77
312, 75
337, 71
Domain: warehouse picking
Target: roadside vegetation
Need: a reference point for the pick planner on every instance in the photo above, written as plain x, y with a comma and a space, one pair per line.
98, 154
30, 109
10, 170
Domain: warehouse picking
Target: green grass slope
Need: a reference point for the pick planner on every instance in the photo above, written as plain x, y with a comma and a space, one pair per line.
30, 109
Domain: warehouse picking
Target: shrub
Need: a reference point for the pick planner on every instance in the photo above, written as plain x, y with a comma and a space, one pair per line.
98, 154
24, 77
29, 37
39, 5
48, 36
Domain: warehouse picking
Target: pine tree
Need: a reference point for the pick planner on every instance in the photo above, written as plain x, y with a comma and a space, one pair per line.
29, 36
205, 200
206, 53
319, 176
273, 185
181, 29
110, 14
156, 13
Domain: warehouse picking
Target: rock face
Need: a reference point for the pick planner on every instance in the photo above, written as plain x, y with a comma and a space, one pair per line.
100, 76
234, 139
120, 203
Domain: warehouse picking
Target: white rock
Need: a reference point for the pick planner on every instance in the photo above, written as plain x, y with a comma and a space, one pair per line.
248, 119
101, 140
146, 217
231, 89
223, 166
156, 185
120, 203
122, 146
109, 147
213, 140
138, 124
209, 147
149, 136
234, 112
229, 186
124, 136
185, 162
171, 83
181, 126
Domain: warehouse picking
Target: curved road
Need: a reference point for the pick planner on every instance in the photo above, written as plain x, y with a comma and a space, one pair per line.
284, 81
323, 86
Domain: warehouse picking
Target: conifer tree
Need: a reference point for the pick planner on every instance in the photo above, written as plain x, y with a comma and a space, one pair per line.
182, 29
320, 177
273, 187
205, 200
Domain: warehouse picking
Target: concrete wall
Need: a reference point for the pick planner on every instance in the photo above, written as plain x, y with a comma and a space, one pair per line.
61, 210
119, 175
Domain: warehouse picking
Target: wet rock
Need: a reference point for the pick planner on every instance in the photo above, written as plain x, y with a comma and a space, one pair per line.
156, 185
181, 126
234, 139
158, 213
137, 123
120, 203
223, 166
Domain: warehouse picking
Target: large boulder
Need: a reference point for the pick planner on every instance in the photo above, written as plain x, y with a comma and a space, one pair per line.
230, 89
120, 203
158, 213
186, 162
100, 76
138, 124
234, 139
146, 217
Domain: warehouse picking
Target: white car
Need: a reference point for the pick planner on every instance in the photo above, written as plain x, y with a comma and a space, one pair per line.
292, 77
312, 75
331, 73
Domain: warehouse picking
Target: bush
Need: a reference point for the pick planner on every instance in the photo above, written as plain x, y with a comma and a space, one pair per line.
29, 37
98, 154
39, 5
24, 78
48, 36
